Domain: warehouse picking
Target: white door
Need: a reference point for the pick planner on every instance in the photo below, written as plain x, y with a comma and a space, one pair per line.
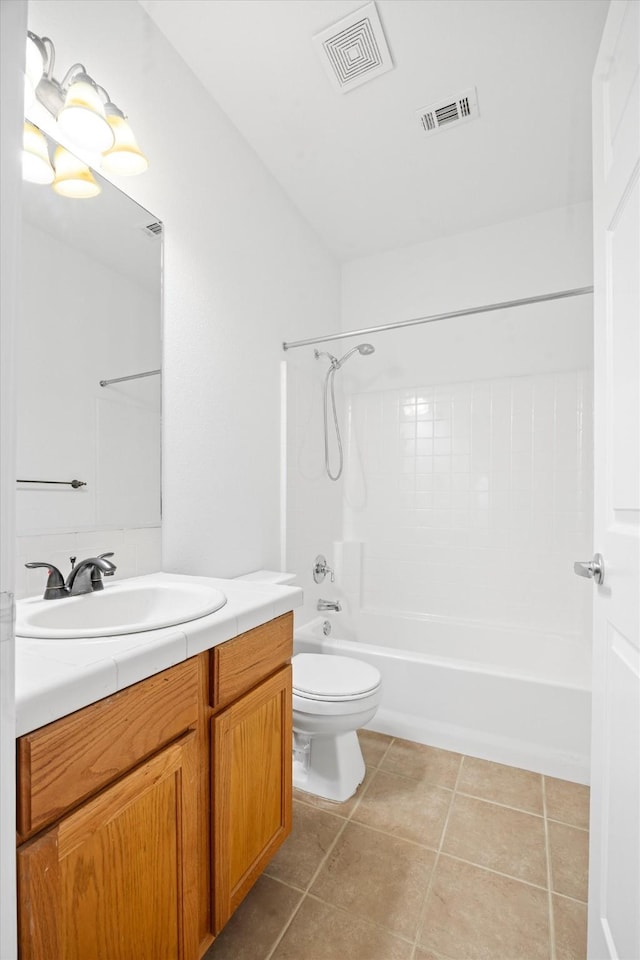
614, 867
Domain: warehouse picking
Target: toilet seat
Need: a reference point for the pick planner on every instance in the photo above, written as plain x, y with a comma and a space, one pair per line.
327, 678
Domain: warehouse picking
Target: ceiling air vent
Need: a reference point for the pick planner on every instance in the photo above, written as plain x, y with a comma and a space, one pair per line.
354, 50
448, 113
153, 230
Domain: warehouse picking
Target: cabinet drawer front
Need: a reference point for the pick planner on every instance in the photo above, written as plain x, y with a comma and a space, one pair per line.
68, 760
239, 664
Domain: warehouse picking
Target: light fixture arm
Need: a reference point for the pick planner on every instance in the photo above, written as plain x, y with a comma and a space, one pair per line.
73, 72
50, 52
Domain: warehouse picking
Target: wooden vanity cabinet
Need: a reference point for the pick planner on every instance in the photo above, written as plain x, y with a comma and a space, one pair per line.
116, 879
113, 796
145, 818
251, 766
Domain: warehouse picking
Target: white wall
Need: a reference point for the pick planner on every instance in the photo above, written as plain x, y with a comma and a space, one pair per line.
13, 22
243, 272
314, 503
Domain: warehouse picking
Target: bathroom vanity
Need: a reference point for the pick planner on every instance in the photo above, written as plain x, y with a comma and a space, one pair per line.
145, 818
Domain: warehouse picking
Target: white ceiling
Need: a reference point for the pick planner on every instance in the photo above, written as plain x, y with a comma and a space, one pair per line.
356, 164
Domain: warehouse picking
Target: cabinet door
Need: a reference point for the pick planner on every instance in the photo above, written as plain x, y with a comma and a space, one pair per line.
116, 880
251, 789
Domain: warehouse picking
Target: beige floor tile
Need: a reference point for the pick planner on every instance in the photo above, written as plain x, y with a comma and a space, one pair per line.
322, 932
338, 809
570, 928
568, 802
499, 838
501, 784
374, 746
422, 954
302, 852
377, 878
406, 808
477, 915
569, 853
420, 762
257, 923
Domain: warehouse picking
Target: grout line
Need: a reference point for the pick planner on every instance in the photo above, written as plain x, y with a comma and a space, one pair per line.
437, 858
306, 890
565, 823
363, 919
497, 803
566, 896
547, 847
394, 836
497, 873
285, 927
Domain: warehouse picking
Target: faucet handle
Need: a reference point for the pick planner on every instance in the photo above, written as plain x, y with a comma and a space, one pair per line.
97, 573
55, 586
321, 569
105, 556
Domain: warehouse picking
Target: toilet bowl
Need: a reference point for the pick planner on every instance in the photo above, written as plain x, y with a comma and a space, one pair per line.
332, 697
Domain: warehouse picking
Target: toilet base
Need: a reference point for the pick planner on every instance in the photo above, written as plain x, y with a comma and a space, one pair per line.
335, 767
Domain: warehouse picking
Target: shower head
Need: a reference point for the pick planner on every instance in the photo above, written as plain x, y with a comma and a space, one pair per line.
366, 349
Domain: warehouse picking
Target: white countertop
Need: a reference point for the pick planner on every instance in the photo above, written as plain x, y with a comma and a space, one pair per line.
57, 677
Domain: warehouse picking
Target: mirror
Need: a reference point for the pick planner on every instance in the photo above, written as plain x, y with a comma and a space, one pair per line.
90, 311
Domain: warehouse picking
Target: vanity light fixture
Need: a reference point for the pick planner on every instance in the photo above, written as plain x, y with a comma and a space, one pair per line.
124, 158
73, 177
35, 60
82, 117
83, 110
36, 166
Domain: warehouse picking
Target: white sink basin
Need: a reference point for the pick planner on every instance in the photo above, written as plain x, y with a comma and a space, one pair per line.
118, 609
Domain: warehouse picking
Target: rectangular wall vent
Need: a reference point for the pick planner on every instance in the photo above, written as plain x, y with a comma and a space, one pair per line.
153, 230
354, 50
449, 113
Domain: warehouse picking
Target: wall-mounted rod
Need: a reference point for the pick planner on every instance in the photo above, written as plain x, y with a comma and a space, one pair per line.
486, 308
133, 376
64, 483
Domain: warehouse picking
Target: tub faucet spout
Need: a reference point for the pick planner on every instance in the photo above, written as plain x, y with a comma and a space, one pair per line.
330, 605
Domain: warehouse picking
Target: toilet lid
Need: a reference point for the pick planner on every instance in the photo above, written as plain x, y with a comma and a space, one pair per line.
321, 676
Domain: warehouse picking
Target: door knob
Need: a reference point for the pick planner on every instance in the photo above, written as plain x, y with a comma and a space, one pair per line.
593, 569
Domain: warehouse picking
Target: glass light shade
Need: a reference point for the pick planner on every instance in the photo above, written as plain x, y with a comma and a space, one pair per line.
73, 177
125, 158
34, 69
36, 166
83, 118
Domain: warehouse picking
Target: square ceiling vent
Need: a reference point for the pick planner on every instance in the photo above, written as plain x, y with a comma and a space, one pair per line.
354, 50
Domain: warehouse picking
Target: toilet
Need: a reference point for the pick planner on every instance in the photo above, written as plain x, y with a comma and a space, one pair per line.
332, 697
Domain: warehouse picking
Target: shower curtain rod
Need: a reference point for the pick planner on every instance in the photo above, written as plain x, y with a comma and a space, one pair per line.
487, 308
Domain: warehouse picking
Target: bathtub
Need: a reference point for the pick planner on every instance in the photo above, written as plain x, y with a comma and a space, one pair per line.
508, 695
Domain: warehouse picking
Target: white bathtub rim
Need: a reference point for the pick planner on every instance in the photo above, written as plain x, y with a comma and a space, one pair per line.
313, 628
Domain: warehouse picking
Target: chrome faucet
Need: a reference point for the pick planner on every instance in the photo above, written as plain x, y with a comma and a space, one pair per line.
329, 605
84, 577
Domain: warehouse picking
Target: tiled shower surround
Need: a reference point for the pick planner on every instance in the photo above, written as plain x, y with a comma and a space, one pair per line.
473, 499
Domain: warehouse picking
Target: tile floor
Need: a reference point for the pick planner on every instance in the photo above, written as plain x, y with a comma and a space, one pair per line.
437, 857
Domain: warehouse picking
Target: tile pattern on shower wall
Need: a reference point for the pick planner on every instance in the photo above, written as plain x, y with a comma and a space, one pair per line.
473, 499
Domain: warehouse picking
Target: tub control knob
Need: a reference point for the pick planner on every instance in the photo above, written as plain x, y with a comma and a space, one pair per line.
320, 569
593, 569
